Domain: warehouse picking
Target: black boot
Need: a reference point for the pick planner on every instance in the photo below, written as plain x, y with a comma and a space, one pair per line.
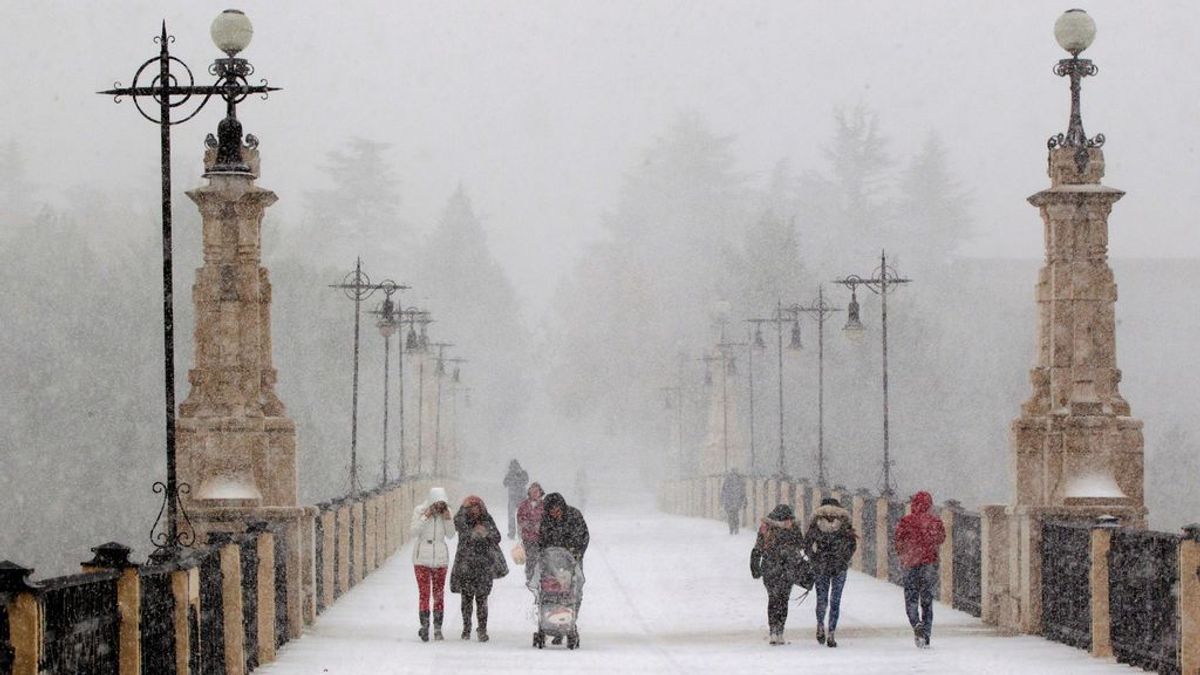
423, 633
437, 625
466, 616
481, 609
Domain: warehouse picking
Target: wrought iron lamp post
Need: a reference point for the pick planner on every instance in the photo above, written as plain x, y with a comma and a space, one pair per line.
437, 424
820, 310
388, 315
782, 315
728, 367
882, 281
440, 347
231, 31
1074, 31
358, 287
413, 343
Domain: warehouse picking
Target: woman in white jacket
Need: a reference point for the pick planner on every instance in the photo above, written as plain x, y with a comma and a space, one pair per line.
431, 527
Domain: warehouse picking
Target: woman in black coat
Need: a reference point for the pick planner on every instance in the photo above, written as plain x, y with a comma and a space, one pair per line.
776, 554
830, 542
475, 562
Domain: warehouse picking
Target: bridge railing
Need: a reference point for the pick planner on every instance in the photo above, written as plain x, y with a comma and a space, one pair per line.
222, 608
1126, 593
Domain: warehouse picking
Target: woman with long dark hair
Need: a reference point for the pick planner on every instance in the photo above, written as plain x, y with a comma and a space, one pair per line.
476, 563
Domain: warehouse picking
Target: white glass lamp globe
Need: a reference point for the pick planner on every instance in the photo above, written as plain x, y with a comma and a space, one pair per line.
1075, 31
231, 31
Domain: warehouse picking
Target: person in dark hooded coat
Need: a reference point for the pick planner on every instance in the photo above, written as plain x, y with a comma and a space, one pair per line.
777, 550
830, 542
474, 562
563, 526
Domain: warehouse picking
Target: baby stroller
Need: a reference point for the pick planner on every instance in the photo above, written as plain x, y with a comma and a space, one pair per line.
557, 583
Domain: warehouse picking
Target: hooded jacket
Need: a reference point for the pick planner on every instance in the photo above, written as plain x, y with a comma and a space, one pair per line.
474, 567
830, 540
515, 480
920, 534
569, 532
777, 550
529, 517
430, 534
733, 492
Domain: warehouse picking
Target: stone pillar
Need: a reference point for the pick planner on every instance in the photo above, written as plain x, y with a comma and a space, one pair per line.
1077, 451
883, 539
185, 588
114, 556
24, 617
264, 596
946, 555
231, 605
343, 548
1101, 541
329, 532
1075, 439
1189, 600
236, 444
856, 521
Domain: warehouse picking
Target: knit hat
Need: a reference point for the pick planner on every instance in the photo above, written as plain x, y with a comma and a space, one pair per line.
782, 512
437, 494
830, 501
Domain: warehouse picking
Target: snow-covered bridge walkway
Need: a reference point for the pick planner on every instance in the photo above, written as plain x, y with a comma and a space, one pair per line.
665, 594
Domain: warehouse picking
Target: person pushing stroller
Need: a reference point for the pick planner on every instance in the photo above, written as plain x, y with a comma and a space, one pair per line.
563, 529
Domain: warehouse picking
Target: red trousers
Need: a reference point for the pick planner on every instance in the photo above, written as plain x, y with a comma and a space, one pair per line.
431, 577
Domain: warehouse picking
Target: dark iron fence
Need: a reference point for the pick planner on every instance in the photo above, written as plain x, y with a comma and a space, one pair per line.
1066, 586
968, 559
80, 624
248, 554
1143, 597
212, 627
158, 621
281, 585
319, 554
6, 648
895, 511
870, 533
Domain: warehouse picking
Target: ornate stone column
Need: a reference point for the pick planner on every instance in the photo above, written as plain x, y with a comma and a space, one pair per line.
1077, 451
236, 444
237, 447
1075, 443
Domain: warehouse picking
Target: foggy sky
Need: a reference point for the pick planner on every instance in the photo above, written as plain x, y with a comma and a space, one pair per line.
538, 107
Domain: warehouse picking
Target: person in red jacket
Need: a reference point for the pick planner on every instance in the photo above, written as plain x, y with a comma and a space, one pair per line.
919, 536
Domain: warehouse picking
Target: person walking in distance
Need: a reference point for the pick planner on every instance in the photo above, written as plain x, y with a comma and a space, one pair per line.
475, 563
776, 551
515, 481
733, 498
529, 525
919, 536
431, 527
830, 541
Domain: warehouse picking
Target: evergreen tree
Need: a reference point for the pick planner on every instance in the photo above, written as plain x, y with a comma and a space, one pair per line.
360, 213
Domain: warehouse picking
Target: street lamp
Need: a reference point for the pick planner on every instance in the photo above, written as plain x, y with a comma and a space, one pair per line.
728, 367
411, 343
882, 281
437, 428
387, 325
423, 340
358, 287
1075, 31
231, 31
820, 310
783, 315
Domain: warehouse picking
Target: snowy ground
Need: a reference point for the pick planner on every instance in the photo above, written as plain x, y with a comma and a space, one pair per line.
664, 594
